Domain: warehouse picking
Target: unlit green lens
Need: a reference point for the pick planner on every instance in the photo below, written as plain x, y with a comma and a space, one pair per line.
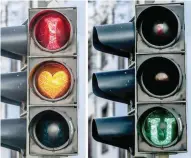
160, 127
52, 130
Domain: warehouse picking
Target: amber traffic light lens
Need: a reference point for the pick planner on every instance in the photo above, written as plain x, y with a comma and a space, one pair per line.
52, 31
159, 76
53, 80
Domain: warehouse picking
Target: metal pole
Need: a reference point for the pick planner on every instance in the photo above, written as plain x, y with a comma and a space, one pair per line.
50, 156
163, 156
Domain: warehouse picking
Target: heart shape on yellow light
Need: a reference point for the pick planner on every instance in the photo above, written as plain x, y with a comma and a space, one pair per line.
53, 86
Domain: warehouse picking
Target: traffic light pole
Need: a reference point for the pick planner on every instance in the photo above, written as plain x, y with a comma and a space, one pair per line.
50, 157
161, 156
164, 156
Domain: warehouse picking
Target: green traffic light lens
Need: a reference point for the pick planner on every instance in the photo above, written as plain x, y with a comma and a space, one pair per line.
160, 128
52, 130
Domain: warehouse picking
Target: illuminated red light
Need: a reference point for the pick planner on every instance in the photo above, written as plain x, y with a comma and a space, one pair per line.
52, 31
159, 29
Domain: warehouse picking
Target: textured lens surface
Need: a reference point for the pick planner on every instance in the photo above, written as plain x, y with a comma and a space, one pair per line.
52, 129
53, 80
160, 26
160, 76
52, 31
160, 127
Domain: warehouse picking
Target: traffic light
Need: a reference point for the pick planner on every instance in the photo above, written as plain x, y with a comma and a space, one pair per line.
161, 79
52, 82
117, 39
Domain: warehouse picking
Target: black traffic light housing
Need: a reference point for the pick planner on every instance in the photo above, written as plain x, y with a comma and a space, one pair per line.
14, 42
120, 42
13, 134
116, 131
14, 87
115, 85
116, 39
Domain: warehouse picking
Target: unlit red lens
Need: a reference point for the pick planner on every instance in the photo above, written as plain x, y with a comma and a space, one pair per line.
53, 80
52, 31
160, 26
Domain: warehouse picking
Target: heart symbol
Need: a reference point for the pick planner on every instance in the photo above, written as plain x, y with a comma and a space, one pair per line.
53, 86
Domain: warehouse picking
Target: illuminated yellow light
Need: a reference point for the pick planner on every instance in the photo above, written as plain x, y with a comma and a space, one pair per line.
53, 80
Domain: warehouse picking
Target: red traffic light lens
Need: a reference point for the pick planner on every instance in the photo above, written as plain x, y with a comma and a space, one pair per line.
158, 26
52, 31
52, 80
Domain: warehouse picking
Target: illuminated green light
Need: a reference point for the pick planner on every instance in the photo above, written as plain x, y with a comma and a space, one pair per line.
154, 123
160, 127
